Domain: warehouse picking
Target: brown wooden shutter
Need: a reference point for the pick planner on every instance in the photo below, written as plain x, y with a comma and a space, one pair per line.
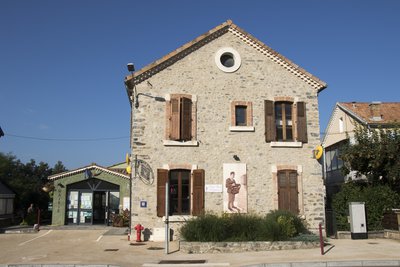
186, 119
174, 128
270, 129
162, 178
198, 192
301, 122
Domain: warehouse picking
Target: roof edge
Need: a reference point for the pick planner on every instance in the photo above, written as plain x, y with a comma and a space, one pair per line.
81, 170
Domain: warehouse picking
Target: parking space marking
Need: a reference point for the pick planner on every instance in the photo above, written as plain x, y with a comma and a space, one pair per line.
23, 243
98, 239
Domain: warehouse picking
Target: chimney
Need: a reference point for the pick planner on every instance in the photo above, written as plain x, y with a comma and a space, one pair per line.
375, 109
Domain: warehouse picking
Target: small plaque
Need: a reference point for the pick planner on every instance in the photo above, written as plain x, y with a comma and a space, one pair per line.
214, 188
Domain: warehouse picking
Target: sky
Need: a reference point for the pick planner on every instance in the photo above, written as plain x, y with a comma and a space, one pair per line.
63, 63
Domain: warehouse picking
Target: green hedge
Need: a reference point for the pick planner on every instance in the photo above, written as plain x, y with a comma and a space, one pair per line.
378, 199
275, 226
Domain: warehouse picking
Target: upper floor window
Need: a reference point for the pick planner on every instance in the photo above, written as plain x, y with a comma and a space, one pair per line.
241, 116
285, 121
181, 119
333, 162
341, 125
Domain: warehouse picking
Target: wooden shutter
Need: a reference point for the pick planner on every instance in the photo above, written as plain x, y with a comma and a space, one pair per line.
186, 119
198, 192
301, 122
270, 129
162, 178
287, 191
175, 127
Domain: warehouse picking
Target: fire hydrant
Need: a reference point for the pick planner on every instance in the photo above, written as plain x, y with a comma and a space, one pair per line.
139, 228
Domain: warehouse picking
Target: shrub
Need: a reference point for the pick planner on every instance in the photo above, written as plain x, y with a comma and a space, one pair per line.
378, 199
282, 225
277, 225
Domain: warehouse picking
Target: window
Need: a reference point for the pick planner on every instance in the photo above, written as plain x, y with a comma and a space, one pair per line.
333, 162
341, 125
186, 192
228, 59
285, 121
241, 116
179, 197
180, 120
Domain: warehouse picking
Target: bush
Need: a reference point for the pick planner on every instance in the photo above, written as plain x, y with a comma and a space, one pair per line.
378, 199
277, 225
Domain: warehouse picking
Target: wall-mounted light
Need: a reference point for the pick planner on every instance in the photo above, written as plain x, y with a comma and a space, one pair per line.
131, 67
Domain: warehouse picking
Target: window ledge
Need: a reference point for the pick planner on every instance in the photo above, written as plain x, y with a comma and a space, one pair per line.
286, 144
241, 128
178, 218
178, 143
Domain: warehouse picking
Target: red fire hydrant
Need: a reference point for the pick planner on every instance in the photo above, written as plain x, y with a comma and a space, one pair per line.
139, 228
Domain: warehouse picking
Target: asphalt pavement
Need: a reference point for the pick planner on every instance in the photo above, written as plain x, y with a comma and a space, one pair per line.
107, 246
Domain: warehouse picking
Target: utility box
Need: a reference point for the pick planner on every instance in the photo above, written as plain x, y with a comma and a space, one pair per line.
358, 221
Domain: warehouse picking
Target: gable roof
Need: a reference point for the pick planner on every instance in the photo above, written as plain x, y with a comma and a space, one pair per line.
94, 167
228, 26
5, 191
374, 113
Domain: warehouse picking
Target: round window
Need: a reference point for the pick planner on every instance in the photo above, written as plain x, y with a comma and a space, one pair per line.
227, 59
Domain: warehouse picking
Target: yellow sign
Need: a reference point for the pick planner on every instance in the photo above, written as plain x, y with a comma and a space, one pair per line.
318, 152
128, 163
129, 169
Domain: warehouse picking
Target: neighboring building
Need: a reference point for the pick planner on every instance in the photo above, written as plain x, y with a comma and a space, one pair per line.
340, 129
7, 197
232, 108
89, 195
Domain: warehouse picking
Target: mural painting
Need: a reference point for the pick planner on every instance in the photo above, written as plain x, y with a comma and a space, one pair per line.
235, 187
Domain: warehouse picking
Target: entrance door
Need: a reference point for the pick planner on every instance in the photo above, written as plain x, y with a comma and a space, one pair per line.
99, 207
287, 191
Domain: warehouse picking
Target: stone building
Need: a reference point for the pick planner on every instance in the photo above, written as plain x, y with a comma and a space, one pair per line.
223, 106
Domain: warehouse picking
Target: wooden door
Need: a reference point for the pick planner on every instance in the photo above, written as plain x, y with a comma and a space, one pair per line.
287, 191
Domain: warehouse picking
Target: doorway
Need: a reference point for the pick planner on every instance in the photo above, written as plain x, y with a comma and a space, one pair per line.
99, 207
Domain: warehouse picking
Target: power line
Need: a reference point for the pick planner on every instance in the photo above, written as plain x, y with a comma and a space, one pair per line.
67, 139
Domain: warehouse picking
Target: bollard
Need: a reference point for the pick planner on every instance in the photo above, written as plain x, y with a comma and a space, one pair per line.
321, 239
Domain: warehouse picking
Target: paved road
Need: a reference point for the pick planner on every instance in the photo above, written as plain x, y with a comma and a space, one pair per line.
98, 246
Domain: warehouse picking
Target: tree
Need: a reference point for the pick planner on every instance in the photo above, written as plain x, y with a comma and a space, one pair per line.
375, 154
27, 180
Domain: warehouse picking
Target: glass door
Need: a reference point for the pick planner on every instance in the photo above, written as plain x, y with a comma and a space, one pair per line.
86, 212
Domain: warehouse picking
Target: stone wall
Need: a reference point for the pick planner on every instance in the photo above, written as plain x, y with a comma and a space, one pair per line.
232, 247
257, 79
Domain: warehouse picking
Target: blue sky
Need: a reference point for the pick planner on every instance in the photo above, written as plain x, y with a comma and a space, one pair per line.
62, 63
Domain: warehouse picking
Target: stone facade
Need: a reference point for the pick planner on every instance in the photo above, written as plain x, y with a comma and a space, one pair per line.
216, 141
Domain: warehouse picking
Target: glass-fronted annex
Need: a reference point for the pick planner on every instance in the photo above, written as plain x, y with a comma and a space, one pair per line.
90, 195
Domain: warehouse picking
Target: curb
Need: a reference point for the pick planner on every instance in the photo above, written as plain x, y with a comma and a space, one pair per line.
370, 263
